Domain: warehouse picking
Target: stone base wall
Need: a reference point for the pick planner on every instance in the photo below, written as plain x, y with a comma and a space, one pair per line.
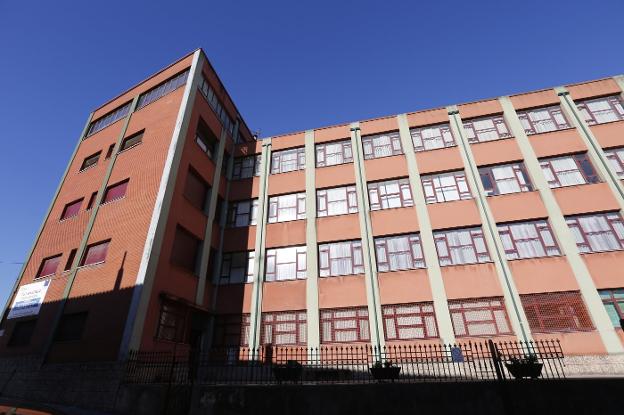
594, 365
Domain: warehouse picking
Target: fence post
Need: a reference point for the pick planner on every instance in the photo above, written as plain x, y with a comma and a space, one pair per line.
495, 359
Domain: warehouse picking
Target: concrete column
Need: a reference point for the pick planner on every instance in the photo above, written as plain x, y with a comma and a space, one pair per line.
563, 234
440, 302
212, 204
312, 301
594, 150
260, 249
368, 245
513, 304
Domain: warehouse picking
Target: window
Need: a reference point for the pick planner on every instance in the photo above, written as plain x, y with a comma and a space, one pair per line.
186, 249
543, 120
173, 322
217, 106
552, 312
237, 267
432, 137
602, 110
132, 141
461, 246
206, 139
446, 187
70, 327
409, 321
162, 89
504, 179
91, 200
344, 325
483, 129
22, 333
390, 194
242, 213
336, 201
71, 209
197, 190
613, 301
568, 170
616, 158
598, 232
49, 266
479, 317
95, 253
528, 240
108, 119
246, 167
285, 208
341, 258
286, 263
331, 154
287, 328
232, 330
288, 160
382, 145
401, 252
70, 259
90, 161
109, 152
115, 191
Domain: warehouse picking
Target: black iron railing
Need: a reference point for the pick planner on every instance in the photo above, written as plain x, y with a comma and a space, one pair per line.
470, 361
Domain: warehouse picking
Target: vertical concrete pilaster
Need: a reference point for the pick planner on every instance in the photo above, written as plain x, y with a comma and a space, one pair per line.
562, 232
594, 150
312, 275
517, 317
260, 248
434, 272
368, 245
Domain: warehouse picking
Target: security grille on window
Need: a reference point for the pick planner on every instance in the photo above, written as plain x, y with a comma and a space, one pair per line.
598, 232
242, 213
552, 312
381, 145
286, 263
616, 159
479, 317
446, 187
285, 208
390, 194
613, 300
569, 170
344, 325
602, 110
528, 240
173, 322
287, 328
332, 154
246, 167
401, 252
232, 330
336, 201
461, 246
432, 137
288, 160
505, 179
340, 258
237, 267
483, 129
543, 120
409, 321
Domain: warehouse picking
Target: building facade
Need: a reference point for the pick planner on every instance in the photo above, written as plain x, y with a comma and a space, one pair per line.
173, 227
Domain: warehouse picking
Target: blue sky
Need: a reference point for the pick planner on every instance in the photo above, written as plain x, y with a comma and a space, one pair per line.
289, 66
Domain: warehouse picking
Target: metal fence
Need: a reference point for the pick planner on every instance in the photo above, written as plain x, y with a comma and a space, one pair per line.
468, 361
